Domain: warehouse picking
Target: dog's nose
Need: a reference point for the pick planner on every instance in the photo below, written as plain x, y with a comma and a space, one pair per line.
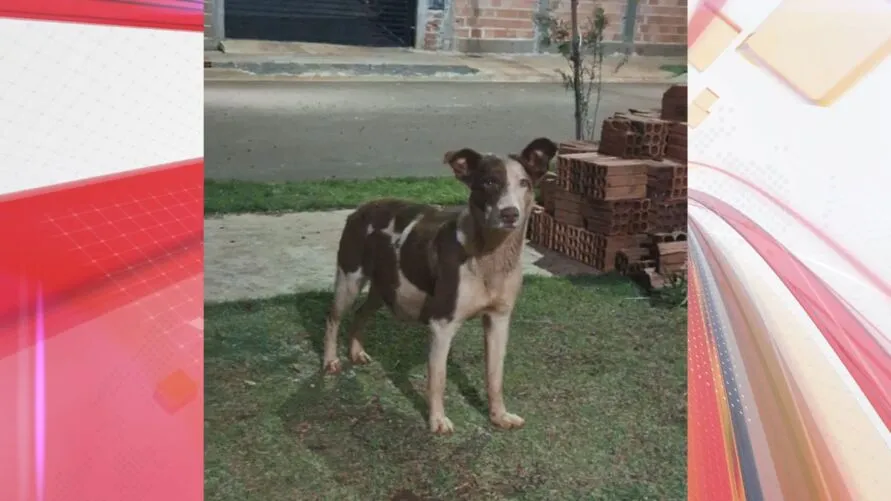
510, 215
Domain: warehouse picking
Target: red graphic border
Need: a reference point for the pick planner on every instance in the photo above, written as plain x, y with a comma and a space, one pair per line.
185, 15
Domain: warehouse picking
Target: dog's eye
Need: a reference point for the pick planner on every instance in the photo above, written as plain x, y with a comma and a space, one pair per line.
525, 183
490, 183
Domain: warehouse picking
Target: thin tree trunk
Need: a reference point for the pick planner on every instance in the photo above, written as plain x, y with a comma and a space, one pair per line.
576, 58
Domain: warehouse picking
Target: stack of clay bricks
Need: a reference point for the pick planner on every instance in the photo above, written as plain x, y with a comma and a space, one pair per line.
667, 180
674, 111
667, 215
667, 192
609, 198
657, 260
676, 142
594, 207
577, 147
634, 135
619, 217
599, 177
605, 217
674, 104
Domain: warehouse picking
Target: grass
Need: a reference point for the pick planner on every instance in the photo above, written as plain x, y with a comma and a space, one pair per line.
233, 197
674, 69
598, 375
673, 295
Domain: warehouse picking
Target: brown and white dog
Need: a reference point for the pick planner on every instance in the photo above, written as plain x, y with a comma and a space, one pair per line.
443, 267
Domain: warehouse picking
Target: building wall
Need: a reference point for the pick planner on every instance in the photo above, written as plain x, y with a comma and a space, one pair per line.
657, 26
208, 25
662, 22
431, 32
212, 36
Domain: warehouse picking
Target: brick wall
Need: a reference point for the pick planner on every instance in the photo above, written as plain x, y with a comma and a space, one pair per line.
494, 19
661, 21
508, 26
613, 9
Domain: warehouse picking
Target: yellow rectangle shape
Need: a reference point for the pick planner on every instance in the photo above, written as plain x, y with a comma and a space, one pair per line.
821, 48
706, 99
714, 40
695, 116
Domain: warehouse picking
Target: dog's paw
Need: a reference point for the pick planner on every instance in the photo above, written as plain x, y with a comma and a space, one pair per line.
332, 366
507, 421
441, 425
360, 357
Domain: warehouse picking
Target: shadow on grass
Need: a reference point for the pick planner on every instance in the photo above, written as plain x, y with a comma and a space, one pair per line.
374, 446
357, 436
371, 442
404, 348
599, 379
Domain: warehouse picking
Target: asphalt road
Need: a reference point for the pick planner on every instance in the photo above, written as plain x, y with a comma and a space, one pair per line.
289, 131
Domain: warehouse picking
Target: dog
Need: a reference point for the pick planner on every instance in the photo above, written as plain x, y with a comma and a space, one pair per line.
442, 267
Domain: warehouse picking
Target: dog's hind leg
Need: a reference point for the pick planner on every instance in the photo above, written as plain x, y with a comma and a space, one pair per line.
357, 330
347, 287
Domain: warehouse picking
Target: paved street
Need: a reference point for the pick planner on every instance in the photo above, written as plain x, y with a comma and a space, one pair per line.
285, 131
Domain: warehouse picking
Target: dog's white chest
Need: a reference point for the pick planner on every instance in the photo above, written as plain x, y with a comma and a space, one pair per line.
479, 291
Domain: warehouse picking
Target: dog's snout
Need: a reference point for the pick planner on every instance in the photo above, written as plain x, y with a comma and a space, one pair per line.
510, 215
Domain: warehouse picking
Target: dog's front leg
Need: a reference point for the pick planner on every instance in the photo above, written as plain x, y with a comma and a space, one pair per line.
441, 334
496, 327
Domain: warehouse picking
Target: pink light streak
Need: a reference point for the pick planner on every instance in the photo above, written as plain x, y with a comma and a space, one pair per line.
39, 399
858, 265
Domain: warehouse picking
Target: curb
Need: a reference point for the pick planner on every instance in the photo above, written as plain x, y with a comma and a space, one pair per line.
270, 68
387, 72
234, 75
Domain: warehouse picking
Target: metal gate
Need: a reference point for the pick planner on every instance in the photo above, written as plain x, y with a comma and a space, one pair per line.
374, 23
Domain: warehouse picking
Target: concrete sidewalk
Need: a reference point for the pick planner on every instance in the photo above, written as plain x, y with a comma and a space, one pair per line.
250, 256
254, 256
244, 59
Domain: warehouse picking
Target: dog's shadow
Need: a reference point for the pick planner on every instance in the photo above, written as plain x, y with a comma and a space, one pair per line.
398, 346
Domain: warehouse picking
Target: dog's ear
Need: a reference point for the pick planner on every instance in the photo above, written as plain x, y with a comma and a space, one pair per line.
537, 157
463, 162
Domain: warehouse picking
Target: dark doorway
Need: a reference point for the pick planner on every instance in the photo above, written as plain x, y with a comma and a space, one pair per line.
371, 23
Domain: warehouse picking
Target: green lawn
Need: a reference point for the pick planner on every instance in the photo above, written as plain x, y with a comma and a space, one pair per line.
233, 197
598, 374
